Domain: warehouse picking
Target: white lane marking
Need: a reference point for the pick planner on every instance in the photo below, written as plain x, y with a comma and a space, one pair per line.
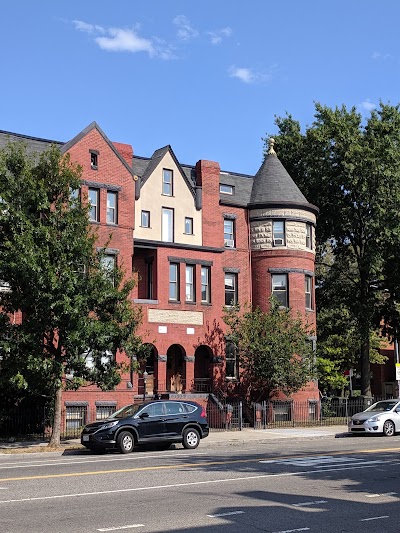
26, 464
315, 461
225, 514
306, 504
3, 488
373, 518
120, 527
349, 464
378, 495
176, 485
293, 530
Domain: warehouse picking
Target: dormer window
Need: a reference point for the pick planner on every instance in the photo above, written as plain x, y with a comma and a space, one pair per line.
94, 158
226, 189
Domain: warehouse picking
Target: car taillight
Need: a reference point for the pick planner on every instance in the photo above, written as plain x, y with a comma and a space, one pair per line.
203, 413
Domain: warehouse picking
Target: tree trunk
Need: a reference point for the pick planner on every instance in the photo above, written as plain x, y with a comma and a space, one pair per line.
55, 439
365, 369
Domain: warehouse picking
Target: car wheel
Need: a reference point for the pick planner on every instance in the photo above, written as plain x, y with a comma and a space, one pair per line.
388, 428
125, 442
191, 438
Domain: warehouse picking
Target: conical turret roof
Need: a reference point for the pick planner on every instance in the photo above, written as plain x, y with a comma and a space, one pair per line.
273, 185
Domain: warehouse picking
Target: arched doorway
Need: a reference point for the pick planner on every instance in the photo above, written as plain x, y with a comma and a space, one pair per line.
202, 362
148, 365
175, 368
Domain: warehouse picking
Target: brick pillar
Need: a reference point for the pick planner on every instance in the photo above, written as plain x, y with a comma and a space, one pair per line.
189, 372
161, 373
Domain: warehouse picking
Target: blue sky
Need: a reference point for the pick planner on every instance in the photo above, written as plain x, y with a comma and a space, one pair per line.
206, 77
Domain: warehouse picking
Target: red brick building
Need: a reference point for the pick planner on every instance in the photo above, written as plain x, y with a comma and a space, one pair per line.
197, 238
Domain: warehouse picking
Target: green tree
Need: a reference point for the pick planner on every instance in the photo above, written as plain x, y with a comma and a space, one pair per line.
273, 348
351, 170
75, 310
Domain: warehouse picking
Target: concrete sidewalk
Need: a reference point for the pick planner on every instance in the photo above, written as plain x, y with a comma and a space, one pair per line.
216, 438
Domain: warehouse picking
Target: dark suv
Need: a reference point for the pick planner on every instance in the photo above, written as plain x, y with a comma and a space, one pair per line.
158, 422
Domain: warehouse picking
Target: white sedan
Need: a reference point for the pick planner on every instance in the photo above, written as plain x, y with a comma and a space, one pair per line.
381, 417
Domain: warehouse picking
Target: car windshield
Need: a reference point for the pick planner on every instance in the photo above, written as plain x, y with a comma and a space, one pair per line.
382, 406
128, 410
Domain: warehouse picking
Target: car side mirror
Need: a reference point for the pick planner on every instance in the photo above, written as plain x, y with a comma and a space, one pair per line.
144, 415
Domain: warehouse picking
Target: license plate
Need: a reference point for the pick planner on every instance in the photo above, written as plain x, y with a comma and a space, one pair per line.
85, 438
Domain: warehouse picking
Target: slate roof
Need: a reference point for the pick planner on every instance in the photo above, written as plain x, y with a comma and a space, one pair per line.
33, 144
272, 185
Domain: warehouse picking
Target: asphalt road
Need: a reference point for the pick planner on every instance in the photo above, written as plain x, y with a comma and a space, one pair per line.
323, 485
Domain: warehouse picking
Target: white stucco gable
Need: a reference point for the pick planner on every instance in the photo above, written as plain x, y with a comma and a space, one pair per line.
181, 203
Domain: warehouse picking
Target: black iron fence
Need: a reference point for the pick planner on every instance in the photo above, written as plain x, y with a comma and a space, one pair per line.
324, 412
223, 415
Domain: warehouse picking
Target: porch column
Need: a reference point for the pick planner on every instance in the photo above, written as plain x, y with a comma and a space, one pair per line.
161, 373
189, 372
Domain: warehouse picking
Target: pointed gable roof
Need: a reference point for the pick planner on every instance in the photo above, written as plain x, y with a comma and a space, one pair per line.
155, 160
273, 185
84, 132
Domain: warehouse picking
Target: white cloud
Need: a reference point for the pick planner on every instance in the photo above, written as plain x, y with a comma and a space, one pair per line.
367, 105
246, 75
378, 56
120, 40
124, 40
185, 30
250, 75
88, 28
218, 35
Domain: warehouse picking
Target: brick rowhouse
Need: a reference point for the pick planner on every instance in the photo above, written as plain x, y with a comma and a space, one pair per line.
196, 238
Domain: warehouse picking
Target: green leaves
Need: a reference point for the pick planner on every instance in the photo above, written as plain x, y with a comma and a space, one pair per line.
48, 256
274, 348
350, 168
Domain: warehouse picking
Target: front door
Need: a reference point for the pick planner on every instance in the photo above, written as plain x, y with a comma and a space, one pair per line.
175, 377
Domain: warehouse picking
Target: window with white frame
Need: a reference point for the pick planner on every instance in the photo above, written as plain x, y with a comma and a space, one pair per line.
309, 236
205, 284
108, 264
231, 293
229, 233
190, 283
112, 205
308, 291
167, 225
280, 289
189, 226
167, 186
174, 282
231, 361
94, 202
278, 232
145, 219
226, 189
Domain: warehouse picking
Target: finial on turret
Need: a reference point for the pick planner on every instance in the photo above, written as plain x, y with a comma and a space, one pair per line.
271, 150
